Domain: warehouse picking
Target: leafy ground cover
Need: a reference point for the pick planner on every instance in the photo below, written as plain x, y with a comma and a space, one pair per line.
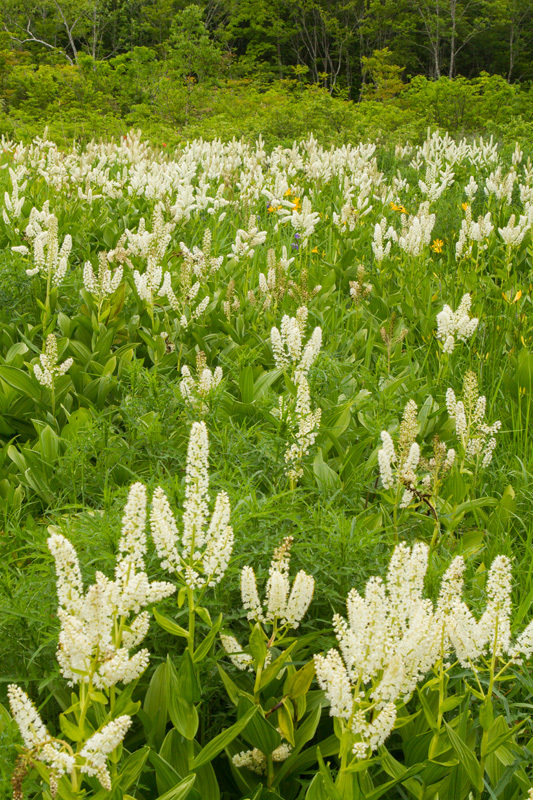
334, 317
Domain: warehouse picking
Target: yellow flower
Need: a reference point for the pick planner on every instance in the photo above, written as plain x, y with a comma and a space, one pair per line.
401, 209
437, 246
288, 193
517, 296
464, 206
314, 250
297, 204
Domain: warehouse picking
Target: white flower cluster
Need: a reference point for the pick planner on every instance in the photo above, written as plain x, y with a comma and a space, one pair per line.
401, 469
151, 247
470, 638
285, 605
452, 324
406, 461
437, 180
393, 636
353, 210
105, 282
49, 259
514, 232
200, 262
256, 761
303, 424
288, 347
97, 631
206, 544
501, 186
13, 202
35, 736
48, 369
92, 758
473, 232
471, 189
275, 283
360, 289
477, 439
304, 222
416, 231
196, 391
100, 746
239, 659
389, 642
382, 233
247, 241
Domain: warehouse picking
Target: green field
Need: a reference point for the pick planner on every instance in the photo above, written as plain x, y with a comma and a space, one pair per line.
349, 327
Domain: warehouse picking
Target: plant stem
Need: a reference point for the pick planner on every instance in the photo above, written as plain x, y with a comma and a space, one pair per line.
190, 600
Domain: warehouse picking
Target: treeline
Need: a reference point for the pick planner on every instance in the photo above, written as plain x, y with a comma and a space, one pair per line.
284, 69
323, 42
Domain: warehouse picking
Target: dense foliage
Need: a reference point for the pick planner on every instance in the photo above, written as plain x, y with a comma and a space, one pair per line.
344, 71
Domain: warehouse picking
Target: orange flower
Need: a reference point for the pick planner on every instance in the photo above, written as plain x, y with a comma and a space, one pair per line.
464, 206
437, 246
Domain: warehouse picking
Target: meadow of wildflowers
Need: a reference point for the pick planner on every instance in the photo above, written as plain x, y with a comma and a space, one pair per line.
266, 471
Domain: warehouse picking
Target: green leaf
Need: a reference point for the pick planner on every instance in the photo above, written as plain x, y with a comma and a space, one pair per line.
187, 681
384, 788
327, 479
184, 715
216, 745
176, 750
285, 723
396, 770
428, 713
204, 615
486, 714
316, 789
169, 625
180, 791
264, 381
70, 729
21, 382
156, 703
246, 384
204, 647
271, 672
259, 732
234, 691
466, 757
307, 729
257, 645
496, 741
331, 789
299, 683
297, 763
166, 775
98, 697
49, 442
132, 768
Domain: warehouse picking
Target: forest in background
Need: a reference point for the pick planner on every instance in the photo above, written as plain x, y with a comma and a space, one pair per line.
280, 68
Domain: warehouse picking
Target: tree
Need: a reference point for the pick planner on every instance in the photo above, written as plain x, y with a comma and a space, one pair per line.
64, 25
194, 55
